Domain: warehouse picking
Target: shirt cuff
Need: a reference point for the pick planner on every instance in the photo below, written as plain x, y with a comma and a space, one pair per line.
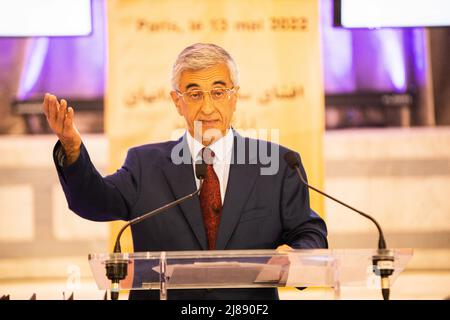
60, 156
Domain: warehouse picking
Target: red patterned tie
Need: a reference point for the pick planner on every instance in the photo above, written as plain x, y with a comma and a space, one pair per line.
210, 200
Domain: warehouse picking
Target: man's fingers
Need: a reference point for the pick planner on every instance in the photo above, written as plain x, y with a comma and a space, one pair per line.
62, 113
51, 109
68, 121
54, 108
60, 117
46, 105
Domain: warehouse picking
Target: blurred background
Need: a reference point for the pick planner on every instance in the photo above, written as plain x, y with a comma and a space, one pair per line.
386, 145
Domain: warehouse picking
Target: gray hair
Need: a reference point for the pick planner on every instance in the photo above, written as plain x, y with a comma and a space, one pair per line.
200, 56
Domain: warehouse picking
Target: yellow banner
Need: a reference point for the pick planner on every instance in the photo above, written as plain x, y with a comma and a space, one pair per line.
275, 44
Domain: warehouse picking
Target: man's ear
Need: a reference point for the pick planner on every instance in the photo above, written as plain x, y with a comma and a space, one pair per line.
177, 101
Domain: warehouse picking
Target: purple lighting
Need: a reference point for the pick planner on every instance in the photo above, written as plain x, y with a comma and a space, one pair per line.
393, 57
418, 47
364, 60
35, 58
73, 67
354, 60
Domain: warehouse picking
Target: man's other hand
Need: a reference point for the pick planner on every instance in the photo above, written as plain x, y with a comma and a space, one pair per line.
61, 120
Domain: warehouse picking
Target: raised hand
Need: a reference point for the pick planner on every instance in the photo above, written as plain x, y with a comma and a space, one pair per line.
61, 120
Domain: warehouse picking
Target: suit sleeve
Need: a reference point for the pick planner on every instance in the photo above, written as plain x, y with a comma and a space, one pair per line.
302, 227
94, 197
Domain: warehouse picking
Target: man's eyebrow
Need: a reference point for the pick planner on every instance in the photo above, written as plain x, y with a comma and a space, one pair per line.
190, 85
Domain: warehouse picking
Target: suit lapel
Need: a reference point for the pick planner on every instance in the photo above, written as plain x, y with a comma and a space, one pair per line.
182, 182
242, 178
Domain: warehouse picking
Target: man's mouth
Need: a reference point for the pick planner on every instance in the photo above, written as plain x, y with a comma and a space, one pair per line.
210, 123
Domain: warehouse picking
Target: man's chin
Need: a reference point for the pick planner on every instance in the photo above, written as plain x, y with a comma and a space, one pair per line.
208, 139
210, 135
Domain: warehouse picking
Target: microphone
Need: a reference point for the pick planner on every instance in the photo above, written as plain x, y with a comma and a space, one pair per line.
383, 262
116, 269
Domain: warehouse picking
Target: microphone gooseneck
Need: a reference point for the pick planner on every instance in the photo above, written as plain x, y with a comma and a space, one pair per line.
383, 262
116, 268
294, 163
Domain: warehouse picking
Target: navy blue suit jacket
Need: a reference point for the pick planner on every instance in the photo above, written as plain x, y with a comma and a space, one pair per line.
259, 211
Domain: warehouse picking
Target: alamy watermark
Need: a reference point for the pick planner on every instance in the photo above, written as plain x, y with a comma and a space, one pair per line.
256, 150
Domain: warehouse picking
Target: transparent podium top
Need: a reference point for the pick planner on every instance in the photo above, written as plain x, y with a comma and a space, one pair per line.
247, 268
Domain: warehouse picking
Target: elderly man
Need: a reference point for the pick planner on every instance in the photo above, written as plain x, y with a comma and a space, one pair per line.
239, 207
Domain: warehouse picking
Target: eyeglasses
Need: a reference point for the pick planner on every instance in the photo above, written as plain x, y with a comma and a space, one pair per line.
196, 96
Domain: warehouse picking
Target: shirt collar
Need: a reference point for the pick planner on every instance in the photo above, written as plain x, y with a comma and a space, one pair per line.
221, 147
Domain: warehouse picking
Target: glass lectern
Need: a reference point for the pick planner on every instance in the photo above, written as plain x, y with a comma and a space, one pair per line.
247, 268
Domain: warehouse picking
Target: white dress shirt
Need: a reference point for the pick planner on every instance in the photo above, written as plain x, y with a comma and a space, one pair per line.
222, 149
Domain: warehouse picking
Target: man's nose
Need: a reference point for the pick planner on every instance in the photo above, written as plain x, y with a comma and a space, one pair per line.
208, 105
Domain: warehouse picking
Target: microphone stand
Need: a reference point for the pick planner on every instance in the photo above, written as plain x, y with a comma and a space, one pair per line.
117, 266
383, 261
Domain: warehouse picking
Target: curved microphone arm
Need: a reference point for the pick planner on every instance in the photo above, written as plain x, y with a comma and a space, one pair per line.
117, 248
383, 262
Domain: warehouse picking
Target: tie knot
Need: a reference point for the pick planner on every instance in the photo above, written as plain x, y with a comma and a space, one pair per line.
208, 156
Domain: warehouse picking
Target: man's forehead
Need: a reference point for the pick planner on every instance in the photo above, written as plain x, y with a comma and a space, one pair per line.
214, 75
